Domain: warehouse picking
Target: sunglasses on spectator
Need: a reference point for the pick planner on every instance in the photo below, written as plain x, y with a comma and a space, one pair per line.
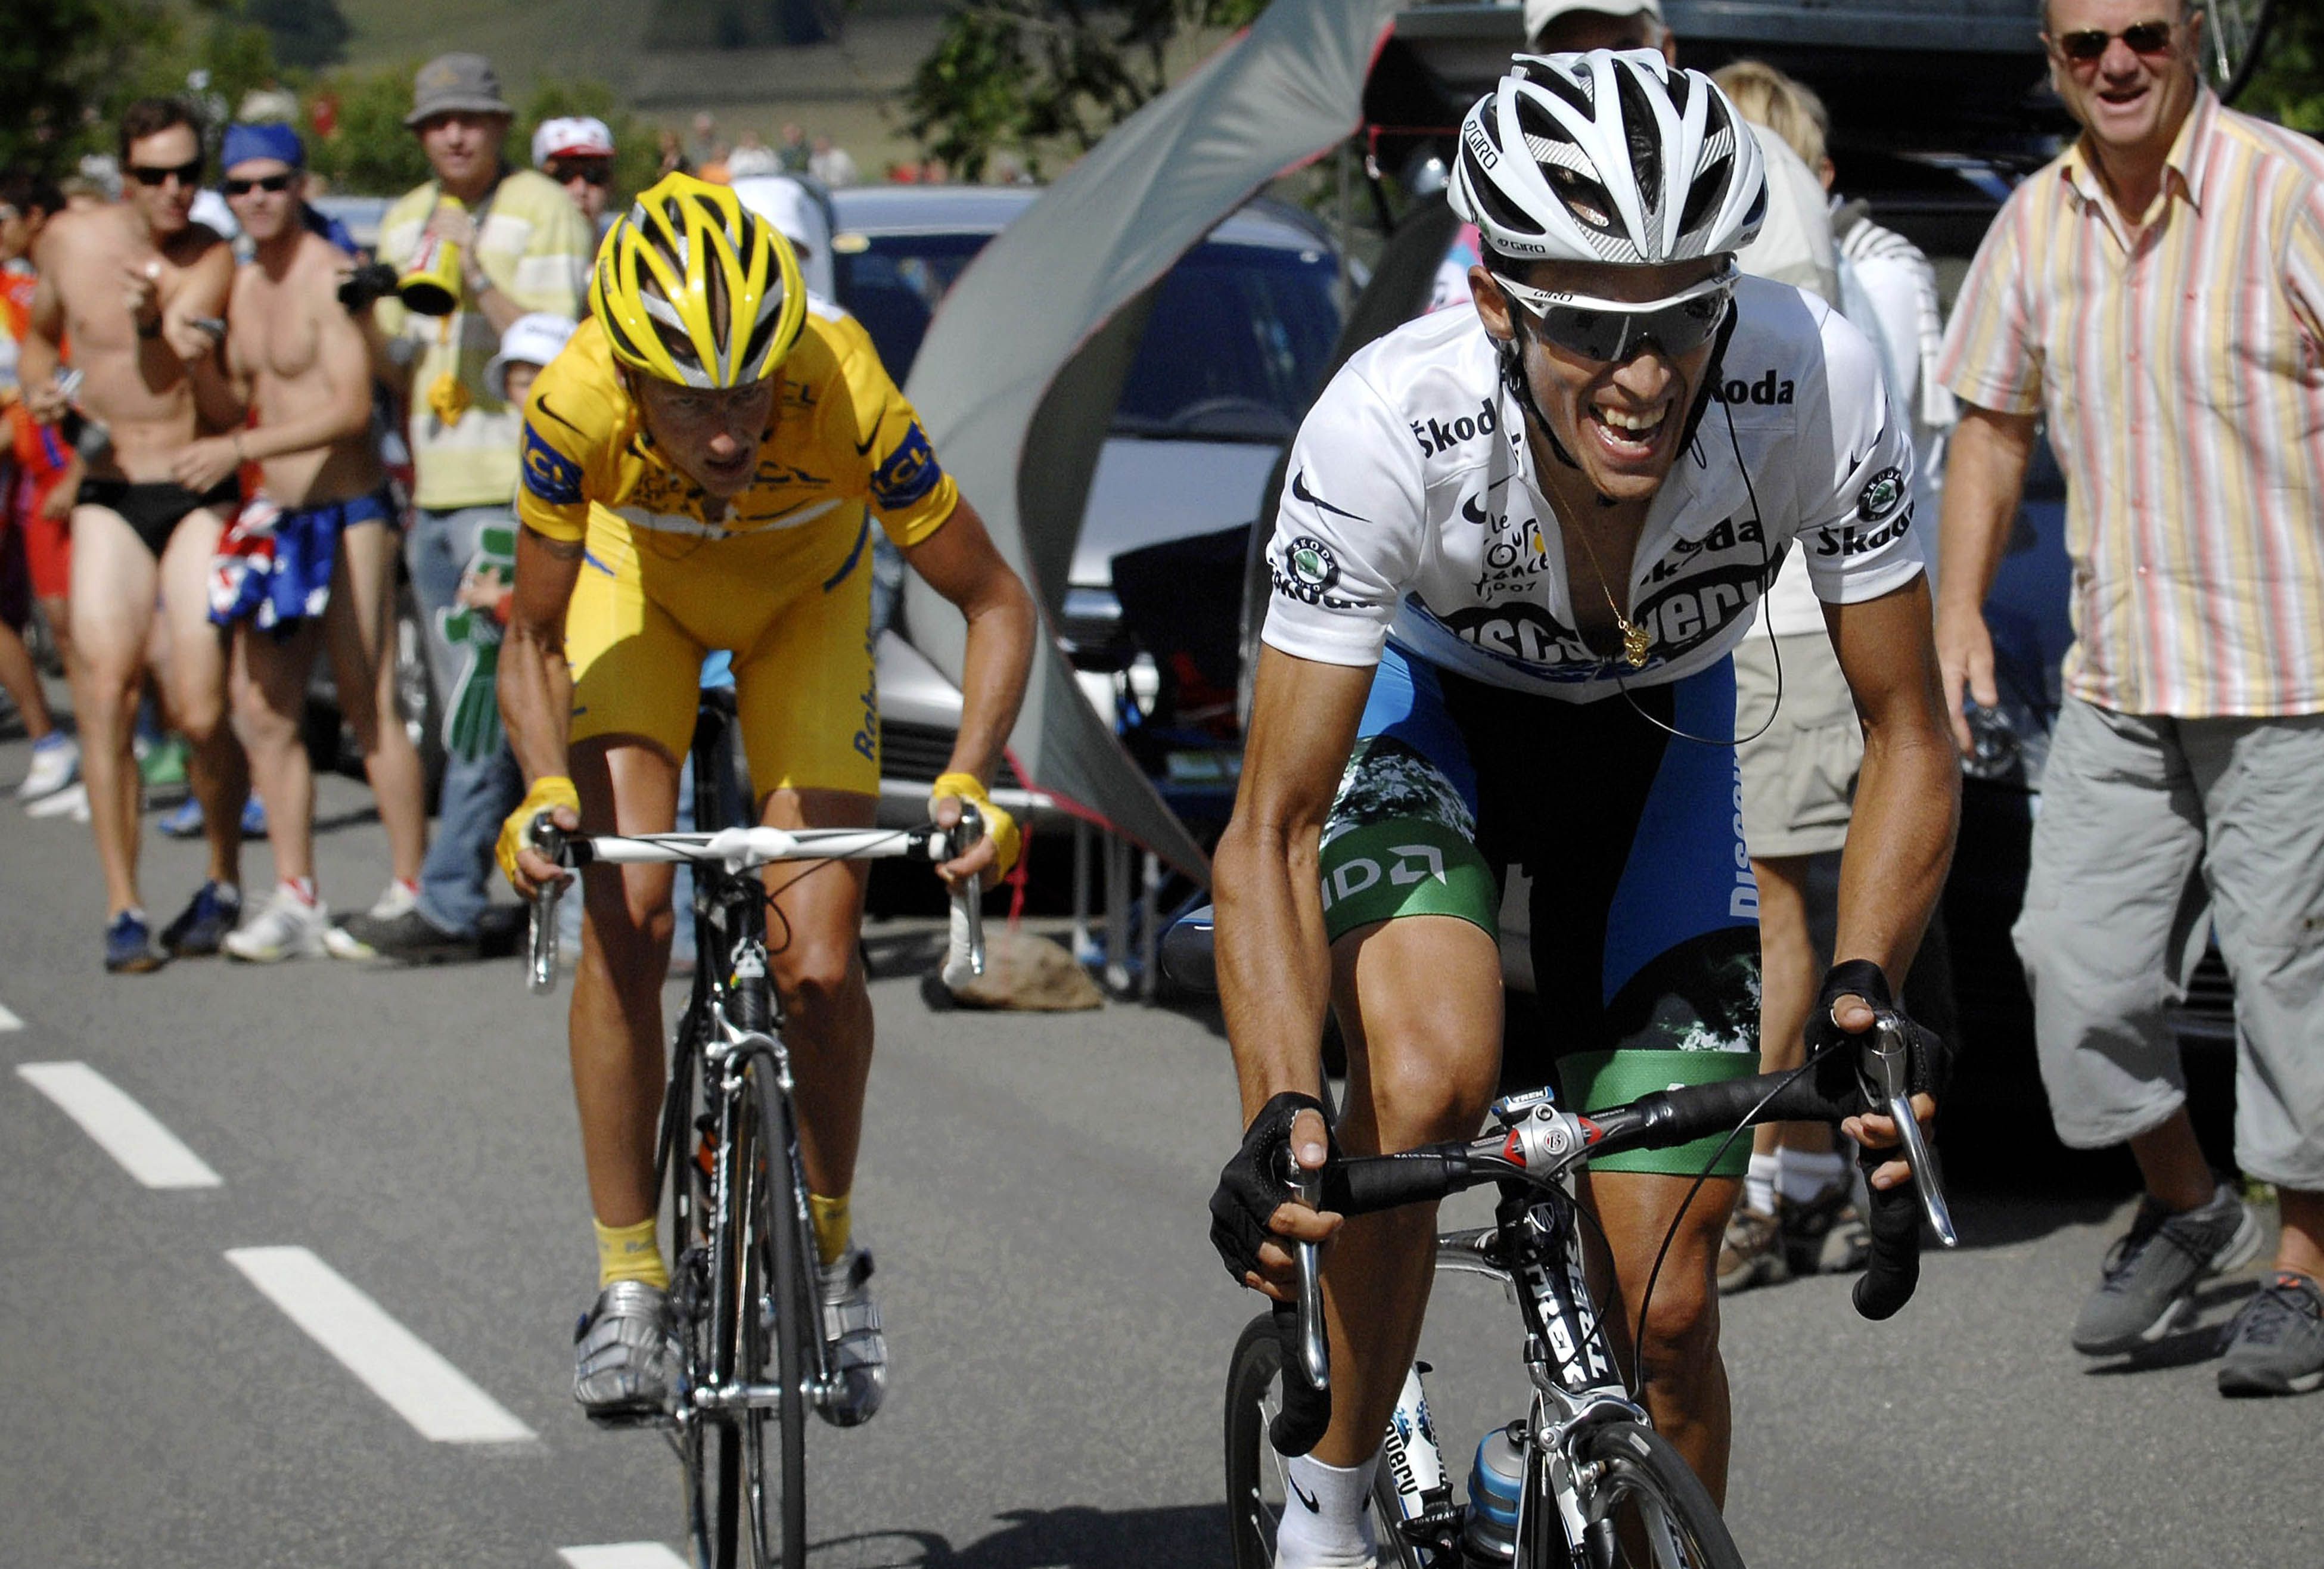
2085, 45
277, 183
595, 172
1611, 330
154, 174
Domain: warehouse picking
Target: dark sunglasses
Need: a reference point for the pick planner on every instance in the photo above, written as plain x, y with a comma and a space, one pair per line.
594, 173
277, 183
155, 174
2147, 38
1612, 330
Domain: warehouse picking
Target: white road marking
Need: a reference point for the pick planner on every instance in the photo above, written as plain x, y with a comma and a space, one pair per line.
621, 1556
398, 1366
9, 1020
121, 1128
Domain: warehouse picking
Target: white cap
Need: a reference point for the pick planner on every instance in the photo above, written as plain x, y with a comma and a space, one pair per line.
1540, 14
792, 208
573, 136
531, 340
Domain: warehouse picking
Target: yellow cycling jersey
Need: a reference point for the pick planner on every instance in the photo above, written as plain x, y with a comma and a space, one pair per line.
844, 434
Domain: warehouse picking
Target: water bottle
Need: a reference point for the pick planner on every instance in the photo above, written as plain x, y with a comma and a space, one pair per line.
1415, 1464
1490, 1538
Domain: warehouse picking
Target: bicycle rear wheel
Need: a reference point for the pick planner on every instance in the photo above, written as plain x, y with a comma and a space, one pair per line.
1256, 1489
1645, 1509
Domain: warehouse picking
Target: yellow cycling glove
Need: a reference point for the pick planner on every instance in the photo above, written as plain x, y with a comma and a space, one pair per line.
516, 831
998, 825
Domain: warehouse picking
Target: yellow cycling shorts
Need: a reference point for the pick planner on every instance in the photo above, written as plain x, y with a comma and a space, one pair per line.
794, 607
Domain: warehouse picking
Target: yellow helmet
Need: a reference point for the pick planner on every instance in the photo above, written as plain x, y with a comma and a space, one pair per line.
694, 288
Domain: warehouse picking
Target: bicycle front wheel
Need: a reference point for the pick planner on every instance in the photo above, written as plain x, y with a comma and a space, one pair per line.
1645, 1509
1256, 1483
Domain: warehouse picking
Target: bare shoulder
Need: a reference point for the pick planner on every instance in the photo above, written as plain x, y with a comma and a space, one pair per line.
71, 238
320, 268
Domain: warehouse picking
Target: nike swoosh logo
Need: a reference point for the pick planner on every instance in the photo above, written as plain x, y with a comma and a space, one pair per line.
1299, 489
1292, 1482
560, 418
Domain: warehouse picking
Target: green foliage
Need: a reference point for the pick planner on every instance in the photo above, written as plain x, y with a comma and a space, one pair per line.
307, 34
62, 64
2289, 87
1020, 74
369, 151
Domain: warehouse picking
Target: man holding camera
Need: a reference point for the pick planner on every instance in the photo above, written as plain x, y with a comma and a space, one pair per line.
495, 243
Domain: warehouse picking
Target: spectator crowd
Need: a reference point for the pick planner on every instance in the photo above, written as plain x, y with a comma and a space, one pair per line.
223, 438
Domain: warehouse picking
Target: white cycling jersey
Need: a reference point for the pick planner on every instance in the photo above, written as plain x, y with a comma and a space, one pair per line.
1410, 507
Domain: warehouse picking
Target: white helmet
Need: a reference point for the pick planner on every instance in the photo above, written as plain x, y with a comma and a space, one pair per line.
1607, 157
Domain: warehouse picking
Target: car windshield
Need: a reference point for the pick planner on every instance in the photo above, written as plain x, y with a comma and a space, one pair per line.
1233, 351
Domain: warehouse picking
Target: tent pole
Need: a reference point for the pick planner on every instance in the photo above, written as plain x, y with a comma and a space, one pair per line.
1148, 897
1081, 891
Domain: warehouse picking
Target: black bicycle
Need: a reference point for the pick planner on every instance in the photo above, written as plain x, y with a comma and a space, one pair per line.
1583, 1481
751, 1350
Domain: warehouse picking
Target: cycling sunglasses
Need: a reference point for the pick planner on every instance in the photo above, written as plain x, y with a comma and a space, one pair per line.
277, 183
2087, 45
1612, 330
154, 174
595, 172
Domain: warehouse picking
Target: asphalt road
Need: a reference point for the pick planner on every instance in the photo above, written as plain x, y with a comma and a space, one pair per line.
1034, 1187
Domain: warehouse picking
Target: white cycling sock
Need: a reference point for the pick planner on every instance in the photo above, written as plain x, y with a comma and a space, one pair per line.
1759, 1185
1803, 1176
1325, 1524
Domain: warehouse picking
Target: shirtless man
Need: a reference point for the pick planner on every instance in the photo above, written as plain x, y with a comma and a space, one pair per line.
324, 572
138, 289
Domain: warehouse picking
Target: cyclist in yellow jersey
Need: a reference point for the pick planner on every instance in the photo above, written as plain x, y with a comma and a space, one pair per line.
702, 467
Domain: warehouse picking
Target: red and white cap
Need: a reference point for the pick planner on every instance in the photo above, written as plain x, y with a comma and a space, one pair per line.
571, 136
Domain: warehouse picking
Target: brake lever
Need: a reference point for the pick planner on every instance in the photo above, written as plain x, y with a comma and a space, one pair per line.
541, 940
1886, 1057
1315, 1356
959, 842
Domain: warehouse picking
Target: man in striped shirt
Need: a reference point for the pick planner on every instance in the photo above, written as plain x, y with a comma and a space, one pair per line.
2158, 294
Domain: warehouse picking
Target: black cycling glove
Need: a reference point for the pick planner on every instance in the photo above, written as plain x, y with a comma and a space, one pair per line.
1251, 1186
1834, 1089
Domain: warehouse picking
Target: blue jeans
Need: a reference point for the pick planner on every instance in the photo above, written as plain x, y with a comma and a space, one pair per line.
477, 796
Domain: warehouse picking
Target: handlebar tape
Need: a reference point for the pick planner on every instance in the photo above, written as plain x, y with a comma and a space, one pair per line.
1365, 1184
1306, 1411
1893, 1269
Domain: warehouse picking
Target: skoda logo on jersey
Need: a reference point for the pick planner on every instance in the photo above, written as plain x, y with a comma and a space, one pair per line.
1311, 563
1766, 391
1878, 499
1438, 435
1848, 542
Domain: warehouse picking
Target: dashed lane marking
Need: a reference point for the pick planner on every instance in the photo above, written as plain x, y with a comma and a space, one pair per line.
621, 1556
121, 1128
398, 1366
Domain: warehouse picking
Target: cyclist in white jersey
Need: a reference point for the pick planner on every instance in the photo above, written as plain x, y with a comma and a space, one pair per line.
1515, 546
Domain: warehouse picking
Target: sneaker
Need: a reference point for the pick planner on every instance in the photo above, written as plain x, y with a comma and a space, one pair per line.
129, 946
624, 1353
1752, 1254
2277, 1345
183, 821
253, 818
2149, 1278
162, 766
72, 801
289, 927
393, 901
56, 764
851, 1329
1824, 1235
409, 938
201, 927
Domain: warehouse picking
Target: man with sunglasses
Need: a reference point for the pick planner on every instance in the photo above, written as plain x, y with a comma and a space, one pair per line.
2157, 293
1515, 549
577, 152
313, 558
140, 290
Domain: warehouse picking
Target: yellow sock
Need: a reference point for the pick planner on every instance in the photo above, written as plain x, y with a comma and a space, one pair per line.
830, 1226
630, 1254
